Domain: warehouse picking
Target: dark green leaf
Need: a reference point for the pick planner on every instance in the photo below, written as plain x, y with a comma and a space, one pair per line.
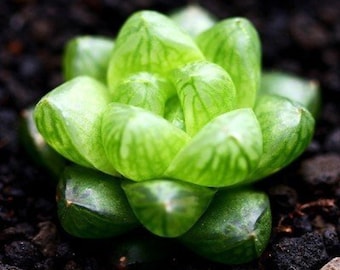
235, 228
167, 208
92, 204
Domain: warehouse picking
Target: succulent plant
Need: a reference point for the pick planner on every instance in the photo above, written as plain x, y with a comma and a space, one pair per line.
167, 130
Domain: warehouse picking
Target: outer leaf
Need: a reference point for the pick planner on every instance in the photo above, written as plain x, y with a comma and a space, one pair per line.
92, 204
223, 153
205, 91
193, 19
36, 146
69, 120
87, 55
149, 41
138, 143
144, 90
234, 44
307, 93
167, 208
287, 130
235, 228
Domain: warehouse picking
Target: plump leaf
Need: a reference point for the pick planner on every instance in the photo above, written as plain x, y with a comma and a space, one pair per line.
205, 91
87, 56
167, 208
138, 143
68, 118
150, 41
287, 129
235, 228
222, 153
92, 204
234, 44
193, 19
37, 147
144, 90
305, 92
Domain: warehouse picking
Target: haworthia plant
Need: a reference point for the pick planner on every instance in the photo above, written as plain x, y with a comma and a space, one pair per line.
162, 121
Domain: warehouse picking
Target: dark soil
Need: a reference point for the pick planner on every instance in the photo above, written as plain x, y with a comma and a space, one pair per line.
302, 37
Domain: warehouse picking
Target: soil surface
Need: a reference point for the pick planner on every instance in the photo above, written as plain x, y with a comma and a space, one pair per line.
301, 37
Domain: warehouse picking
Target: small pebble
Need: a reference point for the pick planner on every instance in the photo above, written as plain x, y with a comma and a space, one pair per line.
334, 264
332, 143
306, 252
322, 169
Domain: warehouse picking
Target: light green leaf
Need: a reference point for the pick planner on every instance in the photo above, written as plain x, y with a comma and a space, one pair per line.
37, 147
167, 208
234, 44
193, 19
287, 129
305, 92
205, 91
87, 56
150, 41
92, 204
68, 118
235, 229
138, 143
144, 90
223, 153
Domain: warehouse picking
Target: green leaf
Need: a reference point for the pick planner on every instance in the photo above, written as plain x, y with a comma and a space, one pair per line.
205, 91
222, 153
305, 92
193, 19
287, 129
138, 143
37, 147
150, 41
87, 56
144, 90
167, 208
174, 112
92, 204
235, 229
234, 44
68, 118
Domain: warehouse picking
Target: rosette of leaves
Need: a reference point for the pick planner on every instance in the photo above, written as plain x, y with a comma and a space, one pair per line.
158, 121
